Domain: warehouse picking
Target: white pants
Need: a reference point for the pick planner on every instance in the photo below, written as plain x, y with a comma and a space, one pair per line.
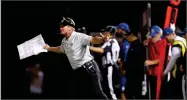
110, 82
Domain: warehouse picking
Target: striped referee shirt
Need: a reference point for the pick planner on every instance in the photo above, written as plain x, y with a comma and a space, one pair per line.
111, 52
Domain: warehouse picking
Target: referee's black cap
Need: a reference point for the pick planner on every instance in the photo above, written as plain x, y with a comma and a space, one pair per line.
111, 29
67, 21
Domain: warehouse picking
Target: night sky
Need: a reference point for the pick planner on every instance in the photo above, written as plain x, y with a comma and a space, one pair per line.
22, 21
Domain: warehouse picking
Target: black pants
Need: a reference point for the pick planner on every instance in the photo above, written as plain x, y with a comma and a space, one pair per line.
173, 88
153, 84
133, 88
87, 82
177, 86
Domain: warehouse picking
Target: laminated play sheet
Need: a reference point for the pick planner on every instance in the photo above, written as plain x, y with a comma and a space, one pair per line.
31, 47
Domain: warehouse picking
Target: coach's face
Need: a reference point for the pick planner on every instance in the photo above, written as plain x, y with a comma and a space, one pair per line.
156, 37
118, 30
64, 29
170, 38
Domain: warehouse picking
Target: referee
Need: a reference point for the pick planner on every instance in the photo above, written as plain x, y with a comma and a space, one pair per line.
110, 53
75, 46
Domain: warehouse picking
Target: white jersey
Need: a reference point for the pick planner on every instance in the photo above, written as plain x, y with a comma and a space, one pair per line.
76, 48
111, 54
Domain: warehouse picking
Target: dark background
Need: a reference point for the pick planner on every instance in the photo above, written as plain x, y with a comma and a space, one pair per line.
22, 21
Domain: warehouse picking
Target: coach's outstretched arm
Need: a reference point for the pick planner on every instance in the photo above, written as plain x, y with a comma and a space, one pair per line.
87, 39
53, 49
97, 49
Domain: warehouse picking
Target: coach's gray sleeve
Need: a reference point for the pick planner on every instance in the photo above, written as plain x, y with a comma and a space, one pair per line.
62, 48
175, 54
85, 39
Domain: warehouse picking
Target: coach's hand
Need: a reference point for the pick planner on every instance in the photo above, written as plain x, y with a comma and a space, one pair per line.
53, 49
181, 69
163, 76
147, 63
46, 46
104, 37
